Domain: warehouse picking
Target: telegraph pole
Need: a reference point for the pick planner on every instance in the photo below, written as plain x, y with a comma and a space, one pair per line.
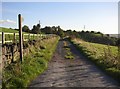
84, 27
39, 21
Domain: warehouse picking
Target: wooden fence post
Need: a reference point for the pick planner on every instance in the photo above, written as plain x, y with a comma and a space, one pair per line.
14, 39
33, 36
23, 37
28, 36
37, 37
20, 37
3, 38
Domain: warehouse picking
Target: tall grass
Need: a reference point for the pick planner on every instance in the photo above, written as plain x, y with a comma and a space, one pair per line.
19, 76
68, 53
104, 56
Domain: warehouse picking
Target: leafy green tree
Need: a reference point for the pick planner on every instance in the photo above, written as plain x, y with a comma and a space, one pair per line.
47, 30
87, 31
38, 25
36, 29
82, 31
108, 35
54, 30
92, 32
25, 28
118, 42
60, 32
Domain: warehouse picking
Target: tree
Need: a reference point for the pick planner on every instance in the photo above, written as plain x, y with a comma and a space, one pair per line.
108, 35
25, 28
60, 32
36, 29
92, 32
38, 25
118, 42
47, 30
99, 33
82, 31
54, 30
87, 32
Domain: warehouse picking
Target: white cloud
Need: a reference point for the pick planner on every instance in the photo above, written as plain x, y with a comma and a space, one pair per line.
7, 21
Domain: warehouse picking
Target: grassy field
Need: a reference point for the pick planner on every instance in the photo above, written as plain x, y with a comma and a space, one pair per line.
9, 37
105, 56
8, 30
18, 76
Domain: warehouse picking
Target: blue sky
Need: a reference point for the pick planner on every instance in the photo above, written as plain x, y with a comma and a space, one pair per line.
96, 16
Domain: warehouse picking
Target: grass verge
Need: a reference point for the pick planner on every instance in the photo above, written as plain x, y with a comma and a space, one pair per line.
69, 54
19, 76
104, 56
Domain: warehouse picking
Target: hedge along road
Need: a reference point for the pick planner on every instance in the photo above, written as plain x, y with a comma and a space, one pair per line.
72, 73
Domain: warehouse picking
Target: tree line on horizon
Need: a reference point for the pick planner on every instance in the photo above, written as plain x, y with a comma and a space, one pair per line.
90, 36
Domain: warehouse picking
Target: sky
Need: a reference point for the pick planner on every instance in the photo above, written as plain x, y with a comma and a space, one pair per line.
96, 16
